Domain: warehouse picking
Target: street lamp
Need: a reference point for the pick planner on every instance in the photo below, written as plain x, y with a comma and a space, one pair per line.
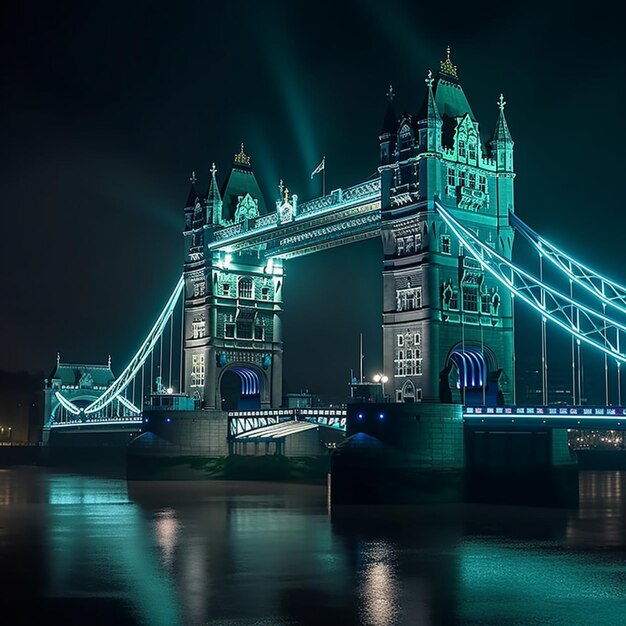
382, 379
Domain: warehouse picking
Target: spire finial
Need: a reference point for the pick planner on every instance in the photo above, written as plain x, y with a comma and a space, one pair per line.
193, 178
501, 102
429, 80
58, 357
447, 67
242, 158
213, 169
281, 186
390, 93
109, 361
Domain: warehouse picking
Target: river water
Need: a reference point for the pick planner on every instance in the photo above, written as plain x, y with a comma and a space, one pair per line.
86, 550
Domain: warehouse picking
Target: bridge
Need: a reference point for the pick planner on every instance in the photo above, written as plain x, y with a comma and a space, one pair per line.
442, 203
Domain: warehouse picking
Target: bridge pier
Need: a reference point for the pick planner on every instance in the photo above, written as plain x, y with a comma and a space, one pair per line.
528, 466
423, 452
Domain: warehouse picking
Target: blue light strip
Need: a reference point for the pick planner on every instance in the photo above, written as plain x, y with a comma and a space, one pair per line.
250, 385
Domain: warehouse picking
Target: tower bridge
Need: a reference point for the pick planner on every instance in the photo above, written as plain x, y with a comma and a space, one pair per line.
442, 202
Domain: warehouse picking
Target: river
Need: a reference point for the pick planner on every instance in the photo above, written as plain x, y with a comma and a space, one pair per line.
84, 550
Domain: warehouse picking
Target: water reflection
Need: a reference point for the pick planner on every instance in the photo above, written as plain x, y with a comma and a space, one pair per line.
93, 550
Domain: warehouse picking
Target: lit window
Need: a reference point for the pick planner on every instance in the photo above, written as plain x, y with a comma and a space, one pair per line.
408, 363
445, 244
461, 148
400, 340
197, 370
472, 181
245, 287
461, 179
418, 241
482, 184
451, 177
408, 299
225, 289
199, 328
265, 293
400, 246
199, 288
244, 329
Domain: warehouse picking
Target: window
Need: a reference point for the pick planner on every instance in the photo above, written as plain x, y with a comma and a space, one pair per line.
472, 181
265, 293
408, 299
199, 288
226, 289
259, 332
461, 179
245, 287
445, 244
400, 340
418, 241
197, 370
199, 328
229, 330
470, 298
482, 184
454, 300
244, 329
409, 244
462, 148
408, 363
400, 246
472, 150
486, 304
451, 177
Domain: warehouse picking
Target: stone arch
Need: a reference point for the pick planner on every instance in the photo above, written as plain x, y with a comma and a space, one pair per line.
252, 384
408, 391
470, 375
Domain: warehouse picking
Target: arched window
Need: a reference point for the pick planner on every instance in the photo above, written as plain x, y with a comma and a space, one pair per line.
244, 287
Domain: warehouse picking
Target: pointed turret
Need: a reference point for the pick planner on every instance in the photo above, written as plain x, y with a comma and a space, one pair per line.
390, 122
214, 200
429, 119
502, 143
193, 192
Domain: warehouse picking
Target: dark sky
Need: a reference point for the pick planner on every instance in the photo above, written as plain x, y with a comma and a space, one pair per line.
107, 107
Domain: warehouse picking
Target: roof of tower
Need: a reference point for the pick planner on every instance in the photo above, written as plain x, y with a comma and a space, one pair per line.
71, 373
502, 132
390, 122
449, 95
240, 181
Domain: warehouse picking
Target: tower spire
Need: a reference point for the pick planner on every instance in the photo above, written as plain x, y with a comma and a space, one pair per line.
214, 199
502, 132
193, 193
447, 67
390, 121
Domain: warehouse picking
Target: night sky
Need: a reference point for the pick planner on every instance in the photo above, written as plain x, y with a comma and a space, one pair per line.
107, 107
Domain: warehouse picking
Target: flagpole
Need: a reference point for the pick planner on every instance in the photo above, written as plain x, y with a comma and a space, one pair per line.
324, 178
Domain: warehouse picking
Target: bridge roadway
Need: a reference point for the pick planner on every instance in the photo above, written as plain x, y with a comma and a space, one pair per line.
245, 423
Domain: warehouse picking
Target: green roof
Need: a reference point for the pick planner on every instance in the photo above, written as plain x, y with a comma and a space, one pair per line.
240, 181
450, 98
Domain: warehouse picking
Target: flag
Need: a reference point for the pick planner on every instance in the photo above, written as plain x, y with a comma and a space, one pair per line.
319, 168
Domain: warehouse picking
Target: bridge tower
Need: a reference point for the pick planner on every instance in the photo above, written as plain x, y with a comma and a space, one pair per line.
447, 326
232, 334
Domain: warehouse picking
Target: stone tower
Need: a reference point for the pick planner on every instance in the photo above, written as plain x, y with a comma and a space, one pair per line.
232, 300
447, 327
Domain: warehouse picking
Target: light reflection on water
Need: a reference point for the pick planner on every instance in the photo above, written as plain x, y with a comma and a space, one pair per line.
90, 550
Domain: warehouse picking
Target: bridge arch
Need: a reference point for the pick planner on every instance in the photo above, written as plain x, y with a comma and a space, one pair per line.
470, 375
242, 386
